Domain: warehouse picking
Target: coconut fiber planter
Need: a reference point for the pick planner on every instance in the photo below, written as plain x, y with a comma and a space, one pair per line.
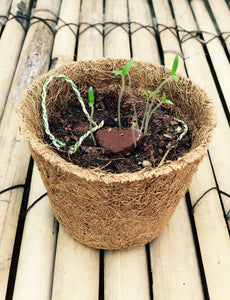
102, 209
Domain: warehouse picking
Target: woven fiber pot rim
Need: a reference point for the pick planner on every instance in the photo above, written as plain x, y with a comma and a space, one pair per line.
98, 175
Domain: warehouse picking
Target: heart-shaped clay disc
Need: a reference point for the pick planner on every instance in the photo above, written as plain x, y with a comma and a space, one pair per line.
118, 142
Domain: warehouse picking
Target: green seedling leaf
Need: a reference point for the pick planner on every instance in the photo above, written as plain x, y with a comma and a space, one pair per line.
116, 72
151, 94
146, 94
126, 68
175, 65
165, 100
168, 101
175, 78
91, 96
185, 126
154, 93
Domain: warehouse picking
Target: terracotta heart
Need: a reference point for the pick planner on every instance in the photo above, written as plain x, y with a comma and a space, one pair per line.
118, 142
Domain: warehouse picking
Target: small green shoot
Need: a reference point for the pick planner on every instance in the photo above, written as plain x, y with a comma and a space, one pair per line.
149, 106
152, 110
127, 67
165, 100
175, 65
131, 97
185, 126
150, 97
123, 73
134, 138
91, 105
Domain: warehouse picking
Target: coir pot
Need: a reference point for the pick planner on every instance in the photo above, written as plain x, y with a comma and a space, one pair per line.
106, 210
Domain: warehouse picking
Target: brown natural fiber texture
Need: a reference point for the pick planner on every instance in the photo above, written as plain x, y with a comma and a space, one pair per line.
105, 210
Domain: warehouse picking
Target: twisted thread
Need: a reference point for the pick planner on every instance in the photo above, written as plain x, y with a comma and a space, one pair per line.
57, 143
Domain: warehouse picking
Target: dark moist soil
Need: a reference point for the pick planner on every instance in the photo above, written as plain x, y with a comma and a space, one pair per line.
69, 123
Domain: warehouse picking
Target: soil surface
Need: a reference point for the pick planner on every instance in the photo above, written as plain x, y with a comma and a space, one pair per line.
158, 147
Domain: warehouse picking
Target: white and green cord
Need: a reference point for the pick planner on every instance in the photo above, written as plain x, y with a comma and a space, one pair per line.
185, 127
57, 143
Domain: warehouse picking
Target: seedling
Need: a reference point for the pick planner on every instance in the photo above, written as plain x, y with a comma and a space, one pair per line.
122, 73
134, 138
91, 105
57, 143
185, 127
149, 110
149, 106
150, 98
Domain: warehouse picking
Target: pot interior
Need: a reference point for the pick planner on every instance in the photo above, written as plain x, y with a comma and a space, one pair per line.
187, 97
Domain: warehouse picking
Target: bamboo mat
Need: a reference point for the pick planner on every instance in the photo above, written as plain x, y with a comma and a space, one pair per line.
38, 259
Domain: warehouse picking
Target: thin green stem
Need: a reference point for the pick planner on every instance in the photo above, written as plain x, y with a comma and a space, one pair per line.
119, 101
185, 126
146, 125
148, 115
155, 108
90, 125
164, 82
131, 96
144, 117
149, 111
134, 137
151, 105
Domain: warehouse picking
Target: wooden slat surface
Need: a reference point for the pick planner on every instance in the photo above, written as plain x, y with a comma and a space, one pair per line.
10, 46
215, 49
116, 37
38, 247
90, 43
140, 15
191, 258
4, 12
126, 275
76, 271
125, 272
201, 183
14, 156
65, 38
169, 252
222, 15
221, 145
212, 232
199, 72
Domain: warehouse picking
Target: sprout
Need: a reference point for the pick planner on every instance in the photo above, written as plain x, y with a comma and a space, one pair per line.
122, 73
149, 106
150, 98
91, 105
